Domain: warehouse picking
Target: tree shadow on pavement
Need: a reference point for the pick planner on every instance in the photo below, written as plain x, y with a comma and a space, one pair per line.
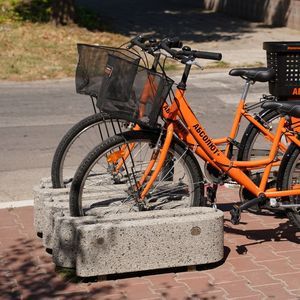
283, 232
27, 272
184, 19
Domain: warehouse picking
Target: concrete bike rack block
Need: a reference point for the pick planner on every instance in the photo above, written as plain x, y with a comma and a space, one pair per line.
126, 242
160, 239
48, 204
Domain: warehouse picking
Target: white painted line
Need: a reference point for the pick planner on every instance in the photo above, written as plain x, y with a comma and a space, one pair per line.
12, 204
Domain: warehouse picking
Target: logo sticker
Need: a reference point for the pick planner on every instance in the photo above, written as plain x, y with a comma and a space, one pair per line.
296, 92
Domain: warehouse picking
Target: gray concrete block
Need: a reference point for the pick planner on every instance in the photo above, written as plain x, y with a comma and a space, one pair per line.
151, 240
41, 197
45, 182
64, 239
49, 201
115, 240
52, 211
58, 206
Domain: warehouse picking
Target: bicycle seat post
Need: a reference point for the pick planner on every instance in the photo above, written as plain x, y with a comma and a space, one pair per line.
246, 88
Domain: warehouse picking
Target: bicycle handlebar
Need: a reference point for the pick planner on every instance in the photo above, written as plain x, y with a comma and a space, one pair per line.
153, 44
169, 43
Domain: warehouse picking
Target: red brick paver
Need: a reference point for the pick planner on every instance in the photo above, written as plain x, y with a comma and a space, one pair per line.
262, 261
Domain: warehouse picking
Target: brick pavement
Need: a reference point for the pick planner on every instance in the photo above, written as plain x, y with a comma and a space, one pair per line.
262, 261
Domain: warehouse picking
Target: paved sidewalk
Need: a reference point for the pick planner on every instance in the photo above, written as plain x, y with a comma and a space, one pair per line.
262, 261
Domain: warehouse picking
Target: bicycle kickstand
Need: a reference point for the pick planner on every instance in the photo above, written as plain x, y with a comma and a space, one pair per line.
211, 192
237, 209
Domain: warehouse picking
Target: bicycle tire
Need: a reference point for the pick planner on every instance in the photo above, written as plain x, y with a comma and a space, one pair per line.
287, 176
177, 148
83, 127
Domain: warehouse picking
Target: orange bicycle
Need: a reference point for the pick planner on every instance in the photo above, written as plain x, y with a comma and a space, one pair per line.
81, 138
161, 170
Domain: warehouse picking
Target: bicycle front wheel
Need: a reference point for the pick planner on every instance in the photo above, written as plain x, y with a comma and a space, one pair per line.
109, 178
80, 140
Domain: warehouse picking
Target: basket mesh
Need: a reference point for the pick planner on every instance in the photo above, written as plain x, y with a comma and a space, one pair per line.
92, 61
133, 90
285, 61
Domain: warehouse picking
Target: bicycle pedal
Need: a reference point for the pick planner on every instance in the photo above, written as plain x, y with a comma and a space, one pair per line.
235, 215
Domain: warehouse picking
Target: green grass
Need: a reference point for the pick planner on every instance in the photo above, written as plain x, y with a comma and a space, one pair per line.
68, 274
218, 65
32, 47
31, 51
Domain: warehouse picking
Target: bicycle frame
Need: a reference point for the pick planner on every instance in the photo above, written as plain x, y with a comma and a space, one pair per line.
182, 132
179, 128
182, 121
207, 148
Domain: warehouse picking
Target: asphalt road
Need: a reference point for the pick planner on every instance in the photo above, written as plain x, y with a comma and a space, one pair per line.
35, 115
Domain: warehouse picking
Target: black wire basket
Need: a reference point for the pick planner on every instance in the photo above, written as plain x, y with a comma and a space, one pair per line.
92, 60
133, 90
284, 58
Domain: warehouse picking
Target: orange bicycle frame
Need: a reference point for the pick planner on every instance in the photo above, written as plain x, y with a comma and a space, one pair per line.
233, 168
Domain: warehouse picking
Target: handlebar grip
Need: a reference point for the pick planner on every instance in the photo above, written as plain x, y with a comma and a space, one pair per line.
208, 55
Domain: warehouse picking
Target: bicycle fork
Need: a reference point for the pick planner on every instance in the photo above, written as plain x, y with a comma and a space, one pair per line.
163, 154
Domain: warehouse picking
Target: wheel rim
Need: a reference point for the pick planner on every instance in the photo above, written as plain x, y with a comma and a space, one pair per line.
169, 190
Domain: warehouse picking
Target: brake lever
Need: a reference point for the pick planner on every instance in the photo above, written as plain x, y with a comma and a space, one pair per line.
193, 62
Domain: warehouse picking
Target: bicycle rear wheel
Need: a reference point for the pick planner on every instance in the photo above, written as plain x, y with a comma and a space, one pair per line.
289, 177
80, 140
106, 180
